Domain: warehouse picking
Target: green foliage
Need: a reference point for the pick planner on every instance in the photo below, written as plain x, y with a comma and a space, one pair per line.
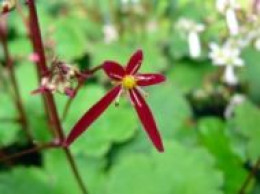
246, 123
252, 72
214, 136
24, 180
8, 130
193, 168
204, 152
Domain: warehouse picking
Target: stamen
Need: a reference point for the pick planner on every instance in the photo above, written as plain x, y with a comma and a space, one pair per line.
143, 92
118, 97
129, 82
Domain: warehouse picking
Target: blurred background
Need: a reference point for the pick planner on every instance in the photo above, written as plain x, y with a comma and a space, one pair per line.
207, 111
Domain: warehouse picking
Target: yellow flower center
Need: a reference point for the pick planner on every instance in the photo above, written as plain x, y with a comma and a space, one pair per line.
129, 82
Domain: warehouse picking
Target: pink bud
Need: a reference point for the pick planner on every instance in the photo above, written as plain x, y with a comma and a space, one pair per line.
70, 92
34, 57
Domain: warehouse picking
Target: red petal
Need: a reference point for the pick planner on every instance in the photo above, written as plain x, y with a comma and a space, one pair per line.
91, 115
147, 119
114, 70
134, 62
149, 79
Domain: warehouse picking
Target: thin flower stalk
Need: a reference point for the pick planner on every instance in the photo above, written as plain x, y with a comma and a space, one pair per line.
43, 70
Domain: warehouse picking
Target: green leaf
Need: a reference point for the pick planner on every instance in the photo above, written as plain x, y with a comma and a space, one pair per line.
246, 122
8, 129
170, 108
179, 170
23, 180
179, 46
20, 47
189, 75
153, 60
252, 71
214, 136
27, 82
61, 175
97, 140
70, 39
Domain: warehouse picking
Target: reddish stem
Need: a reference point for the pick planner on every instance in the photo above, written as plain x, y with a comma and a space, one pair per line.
249, 177
43, 70
29, 151
36, 38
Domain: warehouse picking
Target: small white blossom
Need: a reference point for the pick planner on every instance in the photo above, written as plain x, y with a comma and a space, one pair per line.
230, 76
226, 56
192, 29
232, 21
110, 33
221, 5
228, 8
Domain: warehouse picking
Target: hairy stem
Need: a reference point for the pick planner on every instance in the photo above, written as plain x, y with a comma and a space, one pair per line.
43, 70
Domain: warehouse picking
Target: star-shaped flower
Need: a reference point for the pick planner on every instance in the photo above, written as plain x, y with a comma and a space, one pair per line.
229, 57
126, 79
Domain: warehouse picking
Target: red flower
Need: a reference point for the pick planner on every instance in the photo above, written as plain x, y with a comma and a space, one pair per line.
128, 80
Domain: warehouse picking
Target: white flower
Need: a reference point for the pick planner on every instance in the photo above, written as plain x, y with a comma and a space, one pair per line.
221, 5
232, 21
236, 100
257, 44
229, 76
228, 8
194, 45
187, 25
110, 33
192, 29
228, 56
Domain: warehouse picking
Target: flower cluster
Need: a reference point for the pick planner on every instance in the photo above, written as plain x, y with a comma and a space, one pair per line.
60, 79
243, 32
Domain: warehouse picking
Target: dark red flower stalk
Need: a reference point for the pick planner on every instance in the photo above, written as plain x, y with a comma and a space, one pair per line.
127, 80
